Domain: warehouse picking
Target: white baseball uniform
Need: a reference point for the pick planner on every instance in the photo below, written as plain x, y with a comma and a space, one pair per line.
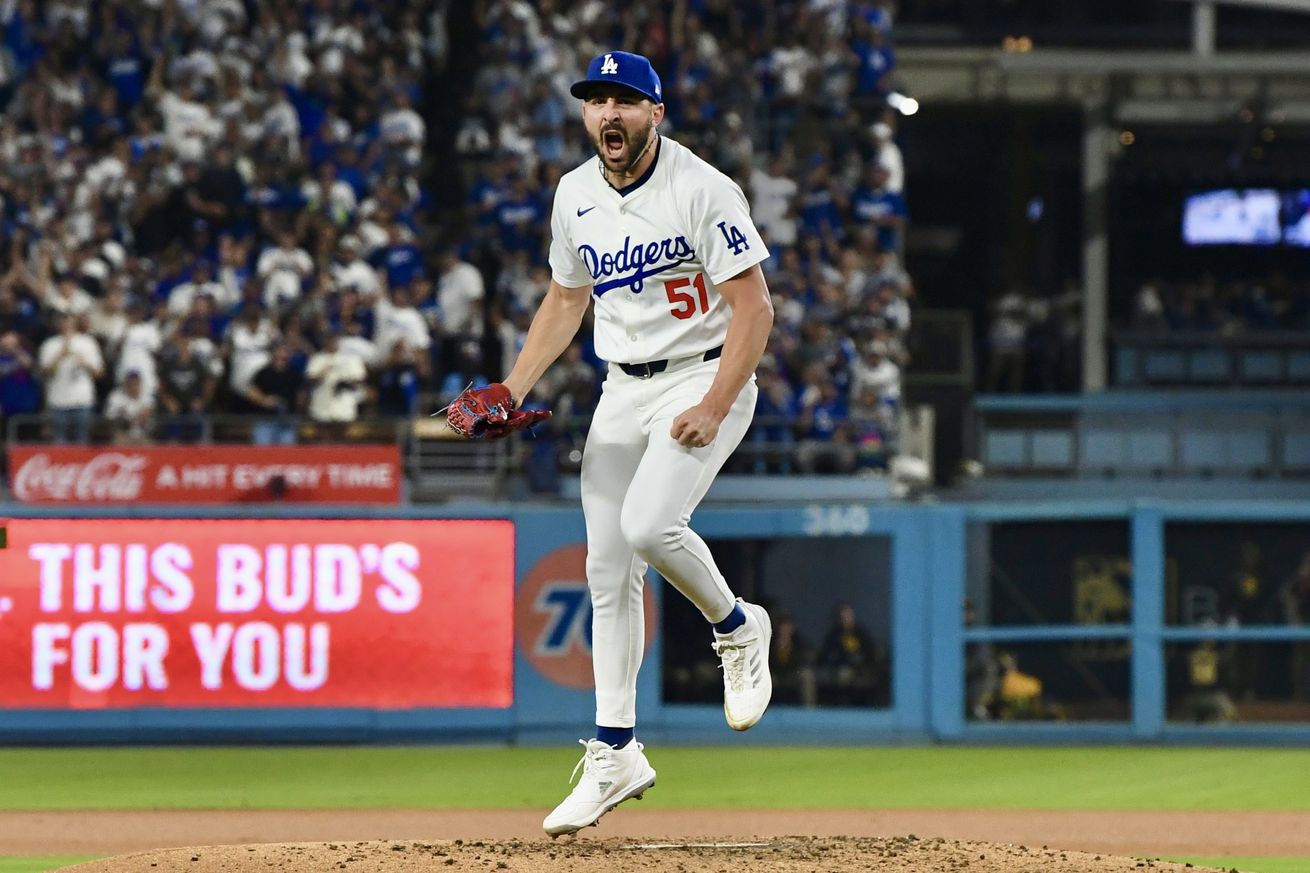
653, 255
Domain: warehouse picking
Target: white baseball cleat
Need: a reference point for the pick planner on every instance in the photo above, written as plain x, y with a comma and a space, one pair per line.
747, 683
609, 777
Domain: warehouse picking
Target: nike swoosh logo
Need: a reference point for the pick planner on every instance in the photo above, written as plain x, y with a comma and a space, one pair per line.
582, 212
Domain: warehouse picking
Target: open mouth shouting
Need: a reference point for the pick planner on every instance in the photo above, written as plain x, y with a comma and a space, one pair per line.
613, 143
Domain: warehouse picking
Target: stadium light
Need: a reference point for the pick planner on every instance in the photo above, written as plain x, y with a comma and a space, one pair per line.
902, 104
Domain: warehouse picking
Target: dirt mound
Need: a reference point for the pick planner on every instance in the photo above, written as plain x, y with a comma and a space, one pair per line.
908, 854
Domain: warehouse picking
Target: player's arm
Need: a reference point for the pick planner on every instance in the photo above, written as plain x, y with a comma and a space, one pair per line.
748, 332
553, 327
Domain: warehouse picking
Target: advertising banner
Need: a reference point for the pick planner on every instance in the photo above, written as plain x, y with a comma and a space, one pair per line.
220, 613
205, 474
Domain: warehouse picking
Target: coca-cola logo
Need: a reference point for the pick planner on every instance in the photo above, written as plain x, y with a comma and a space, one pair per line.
111, 476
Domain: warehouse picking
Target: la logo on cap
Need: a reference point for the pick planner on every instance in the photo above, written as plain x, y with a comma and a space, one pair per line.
609, 67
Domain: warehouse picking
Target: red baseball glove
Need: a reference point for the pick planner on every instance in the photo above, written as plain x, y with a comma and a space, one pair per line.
489, 413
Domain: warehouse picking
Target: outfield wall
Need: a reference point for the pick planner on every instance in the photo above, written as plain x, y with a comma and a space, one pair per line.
403, 633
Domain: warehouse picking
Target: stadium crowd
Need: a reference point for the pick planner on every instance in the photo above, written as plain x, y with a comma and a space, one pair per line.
1208, 305
224, 206
213, 207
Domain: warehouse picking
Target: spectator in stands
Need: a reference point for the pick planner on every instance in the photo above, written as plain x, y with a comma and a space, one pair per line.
400, 375
871, 428
350, 271
337, 380
259, 173
277, 389
107, 320
283, 269
247, 345
875, 206
399, 260
460, 291
852, 665
771, 436
131, 411
1008, 338
186, 390
887, 154
20, 390
773, 197
70, 363
876, 371
353, 341
399, 321
825, 438
877, 61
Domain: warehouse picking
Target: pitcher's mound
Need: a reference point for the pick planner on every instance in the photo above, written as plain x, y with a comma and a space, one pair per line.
778, 855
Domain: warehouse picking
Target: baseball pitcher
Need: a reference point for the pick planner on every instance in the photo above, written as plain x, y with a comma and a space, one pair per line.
664, 245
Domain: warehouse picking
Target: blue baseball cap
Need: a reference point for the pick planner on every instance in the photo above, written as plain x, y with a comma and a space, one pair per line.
621, 68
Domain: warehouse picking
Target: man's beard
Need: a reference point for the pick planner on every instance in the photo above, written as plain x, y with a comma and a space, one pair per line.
646, 136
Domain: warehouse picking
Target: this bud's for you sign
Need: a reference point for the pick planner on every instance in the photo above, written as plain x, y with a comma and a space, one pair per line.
282, 613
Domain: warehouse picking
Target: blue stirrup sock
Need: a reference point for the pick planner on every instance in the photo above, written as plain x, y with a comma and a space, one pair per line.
735, 619
616, 737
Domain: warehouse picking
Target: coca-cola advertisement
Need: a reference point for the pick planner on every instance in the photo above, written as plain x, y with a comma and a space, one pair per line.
205, 474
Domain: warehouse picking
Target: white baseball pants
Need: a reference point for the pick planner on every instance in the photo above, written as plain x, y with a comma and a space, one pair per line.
639, 488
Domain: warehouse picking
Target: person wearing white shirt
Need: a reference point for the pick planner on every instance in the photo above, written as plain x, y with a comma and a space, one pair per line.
66, 297
403, 128
888, 154
337, 377
460, 290
352, 271
397, 320
108, 319
142, 340
773, 193
354, 342
282, 269
249, 341
70, 363
188, 123
202, 282
330, 196
130, 410
877, 371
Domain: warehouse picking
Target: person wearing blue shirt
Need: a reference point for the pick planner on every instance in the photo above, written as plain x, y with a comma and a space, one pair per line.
519, 217
126, 70
20, 392
822, 201
825, 445
873, 205
775, 408
548, 117
399, 257
877, 61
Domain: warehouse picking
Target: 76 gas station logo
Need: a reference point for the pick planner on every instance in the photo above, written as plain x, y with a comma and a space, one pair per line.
568, 605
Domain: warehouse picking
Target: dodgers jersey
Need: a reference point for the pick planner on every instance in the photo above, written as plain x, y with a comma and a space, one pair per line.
655, 256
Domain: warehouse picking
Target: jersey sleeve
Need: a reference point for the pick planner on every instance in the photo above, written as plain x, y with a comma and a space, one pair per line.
725, 238
566, 266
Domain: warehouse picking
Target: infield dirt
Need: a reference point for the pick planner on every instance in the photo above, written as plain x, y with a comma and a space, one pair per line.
907, 854
398, 841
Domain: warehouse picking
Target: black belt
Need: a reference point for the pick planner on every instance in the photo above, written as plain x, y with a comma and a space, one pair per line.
650, 368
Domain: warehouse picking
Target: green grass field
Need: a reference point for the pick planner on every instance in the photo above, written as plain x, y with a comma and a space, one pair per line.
36, 865
498, 778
